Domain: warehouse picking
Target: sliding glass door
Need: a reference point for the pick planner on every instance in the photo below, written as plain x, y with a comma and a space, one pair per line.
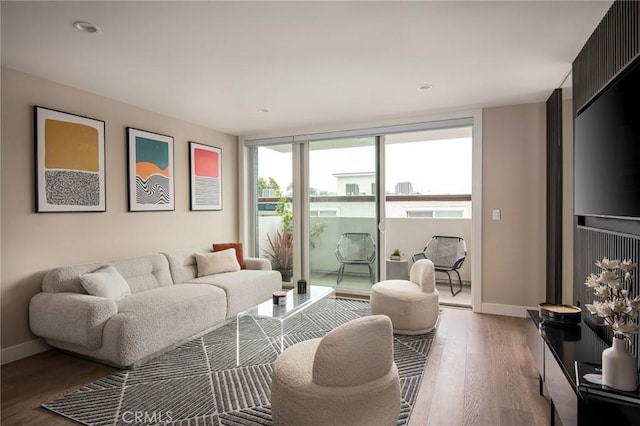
274, 201
331, 207
428, 192
342, 211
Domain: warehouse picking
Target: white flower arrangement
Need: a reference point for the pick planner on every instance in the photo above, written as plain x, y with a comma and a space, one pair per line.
616, 308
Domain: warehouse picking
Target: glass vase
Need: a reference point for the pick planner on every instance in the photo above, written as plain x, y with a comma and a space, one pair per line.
619, 367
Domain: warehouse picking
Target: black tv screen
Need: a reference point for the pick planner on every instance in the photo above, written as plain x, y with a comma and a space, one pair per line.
607, 151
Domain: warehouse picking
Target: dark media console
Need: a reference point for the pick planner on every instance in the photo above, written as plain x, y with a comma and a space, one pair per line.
555, 350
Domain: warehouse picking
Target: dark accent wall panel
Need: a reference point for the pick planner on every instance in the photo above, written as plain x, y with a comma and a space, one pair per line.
613, 45
554, 197
594, 244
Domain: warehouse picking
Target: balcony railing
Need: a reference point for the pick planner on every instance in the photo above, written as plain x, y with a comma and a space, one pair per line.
370, 198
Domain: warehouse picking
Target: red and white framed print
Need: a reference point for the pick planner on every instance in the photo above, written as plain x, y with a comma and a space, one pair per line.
205, 177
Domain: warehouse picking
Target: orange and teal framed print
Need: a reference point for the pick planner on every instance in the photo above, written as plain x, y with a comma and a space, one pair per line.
70, 166
151, 176
206, 176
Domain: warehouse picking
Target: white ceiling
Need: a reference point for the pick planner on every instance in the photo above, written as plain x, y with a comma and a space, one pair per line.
309, 63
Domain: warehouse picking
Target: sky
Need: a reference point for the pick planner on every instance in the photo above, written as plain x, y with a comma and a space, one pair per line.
433, 167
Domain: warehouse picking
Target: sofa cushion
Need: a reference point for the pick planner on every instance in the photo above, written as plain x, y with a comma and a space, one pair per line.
236, 246
217, 262
105, 282
182, 264
149, 322
184, 268
141, 273
244, 288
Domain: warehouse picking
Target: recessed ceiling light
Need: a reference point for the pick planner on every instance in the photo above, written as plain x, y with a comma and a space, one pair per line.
425, 87
86, 27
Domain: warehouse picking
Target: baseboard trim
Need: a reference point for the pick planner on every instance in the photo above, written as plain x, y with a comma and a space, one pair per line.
506, 310
23, 350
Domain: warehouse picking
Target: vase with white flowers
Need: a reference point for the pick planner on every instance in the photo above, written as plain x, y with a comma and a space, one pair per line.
618, 310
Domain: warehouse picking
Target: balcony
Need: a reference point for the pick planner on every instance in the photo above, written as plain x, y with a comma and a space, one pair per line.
357, 214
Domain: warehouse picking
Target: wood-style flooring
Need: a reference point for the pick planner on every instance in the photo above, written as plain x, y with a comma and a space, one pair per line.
479, 372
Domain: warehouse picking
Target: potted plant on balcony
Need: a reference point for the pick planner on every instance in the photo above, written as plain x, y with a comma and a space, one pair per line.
280, 246
396, 254
280, 253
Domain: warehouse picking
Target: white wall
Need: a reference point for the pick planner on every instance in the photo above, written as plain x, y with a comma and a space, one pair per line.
514, 181
33, 243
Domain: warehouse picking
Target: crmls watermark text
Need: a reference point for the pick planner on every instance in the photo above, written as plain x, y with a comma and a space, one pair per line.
149, 417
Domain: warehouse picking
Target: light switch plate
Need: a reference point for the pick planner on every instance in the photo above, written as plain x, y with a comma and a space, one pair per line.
496, 214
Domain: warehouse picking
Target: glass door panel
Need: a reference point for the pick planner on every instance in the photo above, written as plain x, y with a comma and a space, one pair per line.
343, 222
274, 221
428, 192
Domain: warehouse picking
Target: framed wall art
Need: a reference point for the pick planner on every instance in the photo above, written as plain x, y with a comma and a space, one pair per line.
205, 176
70, 164
151, 175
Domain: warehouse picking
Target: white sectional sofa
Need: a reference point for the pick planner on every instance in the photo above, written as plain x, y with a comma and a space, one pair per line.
168, 305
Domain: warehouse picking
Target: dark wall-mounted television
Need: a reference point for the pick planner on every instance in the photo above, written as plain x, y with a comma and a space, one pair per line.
607, 151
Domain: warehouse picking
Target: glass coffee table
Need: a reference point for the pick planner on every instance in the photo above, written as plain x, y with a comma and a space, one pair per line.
296, 303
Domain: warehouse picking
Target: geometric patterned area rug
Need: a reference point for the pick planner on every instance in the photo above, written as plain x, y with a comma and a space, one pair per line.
199, 383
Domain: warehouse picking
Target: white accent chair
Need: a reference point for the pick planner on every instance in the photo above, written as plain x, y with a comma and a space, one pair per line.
412, 305
348, 377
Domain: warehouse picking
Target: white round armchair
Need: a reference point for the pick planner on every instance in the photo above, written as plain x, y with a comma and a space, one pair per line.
348, 377
412, 305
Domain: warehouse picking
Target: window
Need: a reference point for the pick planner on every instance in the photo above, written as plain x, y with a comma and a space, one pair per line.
428, 173
449, 213
323, 213
352, 189
444, 213
420, 213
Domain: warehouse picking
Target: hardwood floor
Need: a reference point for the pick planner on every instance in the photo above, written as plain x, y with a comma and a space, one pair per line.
29, 382
479, 372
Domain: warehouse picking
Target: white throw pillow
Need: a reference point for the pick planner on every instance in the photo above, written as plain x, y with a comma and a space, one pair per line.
105, 282
217, 262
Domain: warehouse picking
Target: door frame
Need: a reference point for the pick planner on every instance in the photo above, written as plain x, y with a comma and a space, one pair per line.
245, 166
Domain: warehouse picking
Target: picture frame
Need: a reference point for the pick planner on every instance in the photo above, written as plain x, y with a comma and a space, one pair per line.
205, 177
151, 174
69, 162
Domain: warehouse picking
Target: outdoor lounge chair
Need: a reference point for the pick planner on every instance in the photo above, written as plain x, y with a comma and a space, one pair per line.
447, 254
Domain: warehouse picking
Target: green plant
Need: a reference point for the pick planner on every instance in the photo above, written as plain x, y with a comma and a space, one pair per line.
283, 209
280, 250
316, 229
397, 252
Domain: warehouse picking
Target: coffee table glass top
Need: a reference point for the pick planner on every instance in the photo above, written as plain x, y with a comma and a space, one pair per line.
295, 303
